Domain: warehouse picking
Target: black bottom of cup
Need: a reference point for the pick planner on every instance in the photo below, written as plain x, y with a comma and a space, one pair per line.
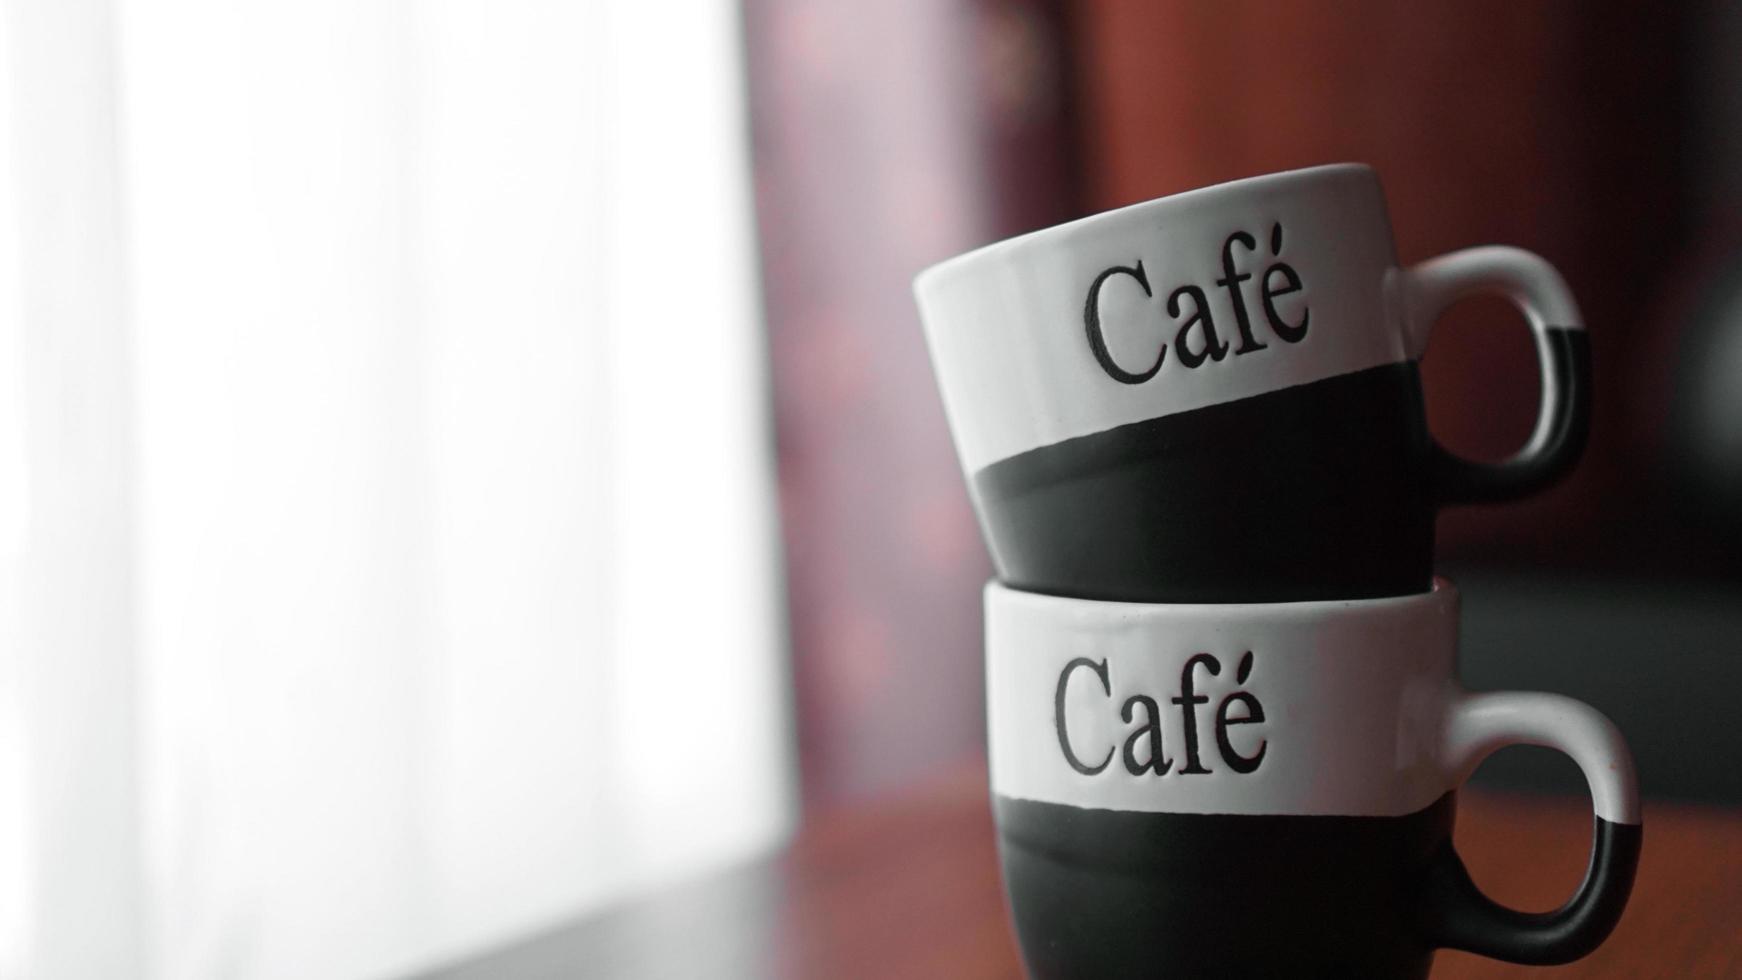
1319, 491
1102, 893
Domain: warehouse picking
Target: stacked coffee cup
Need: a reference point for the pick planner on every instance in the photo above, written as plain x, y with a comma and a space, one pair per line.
1225, 730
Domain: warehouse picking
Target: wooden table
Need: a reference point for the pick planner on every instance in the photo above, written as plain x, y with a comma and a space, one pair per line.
908, 887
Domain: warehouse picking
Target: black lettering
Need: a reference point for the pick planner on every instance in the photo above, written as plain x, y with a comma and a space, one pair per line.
1214, 348
1294, 333
1231, 282
1189, 700
1158, 764
1058, 712
1254, 715
1098, 340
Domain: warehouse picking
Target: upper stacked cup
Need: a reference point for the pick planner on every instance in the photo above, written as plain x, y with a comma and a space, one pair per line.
1214, 396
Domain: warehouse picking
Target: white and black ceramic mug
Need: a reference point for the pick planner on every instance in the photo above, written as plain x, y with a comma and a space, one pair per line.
1266, 790
1214, 397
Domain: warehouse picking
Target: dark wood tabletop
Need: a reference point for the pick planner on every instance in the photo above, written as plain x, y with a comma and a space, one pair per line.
908, 887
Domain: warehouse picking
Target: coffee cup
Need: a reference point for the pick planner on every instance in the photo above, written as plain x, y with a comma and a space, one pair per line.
1265, 790
1215, 396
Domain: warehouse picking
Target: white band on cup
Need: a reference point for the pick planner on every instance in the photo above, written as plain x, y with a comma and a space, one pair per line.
1317, 708
1193, 300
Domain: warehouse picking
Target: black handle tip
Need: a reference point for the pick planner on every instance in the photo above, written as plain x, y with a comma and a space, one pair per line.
1458, 916
1568, 365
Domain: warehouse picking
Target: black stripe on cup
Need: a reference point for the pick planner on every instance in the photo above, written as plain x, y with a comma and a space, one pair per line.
1112, 893
1317, 491
1108, 893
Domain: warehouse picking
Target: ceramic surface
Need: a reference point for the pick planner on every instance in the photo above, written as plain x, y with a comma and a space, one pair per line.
1162, 771
1241, 357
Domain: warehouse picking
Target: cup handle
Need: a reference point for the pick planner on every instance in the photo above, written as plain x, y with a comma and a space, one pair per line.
1456, 915
1563, 420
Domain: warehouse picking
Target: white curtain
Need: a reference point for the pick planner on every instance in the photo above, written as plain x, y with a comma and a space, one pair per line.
386, 529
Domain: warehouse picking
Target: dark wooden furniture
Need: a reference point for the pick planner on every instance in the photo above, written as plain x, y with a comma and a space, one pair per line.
908, 887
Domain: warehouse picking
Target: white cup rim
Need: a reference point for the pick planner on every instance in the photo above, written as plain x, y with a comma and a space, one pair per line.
1443, 590
998, 248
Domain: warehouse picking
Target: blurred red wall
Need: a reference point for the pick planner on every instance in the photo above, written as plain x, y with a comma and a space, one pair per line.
1552, 126
887, 136
891, 135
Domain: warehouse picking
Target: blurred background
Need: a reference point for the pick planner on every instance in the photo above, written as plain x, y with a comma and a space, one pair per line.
463, 466
1605, 136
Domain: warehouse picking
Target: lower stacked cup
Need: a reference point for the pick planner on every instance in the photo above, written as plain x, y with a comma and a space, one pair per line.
1266, 789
